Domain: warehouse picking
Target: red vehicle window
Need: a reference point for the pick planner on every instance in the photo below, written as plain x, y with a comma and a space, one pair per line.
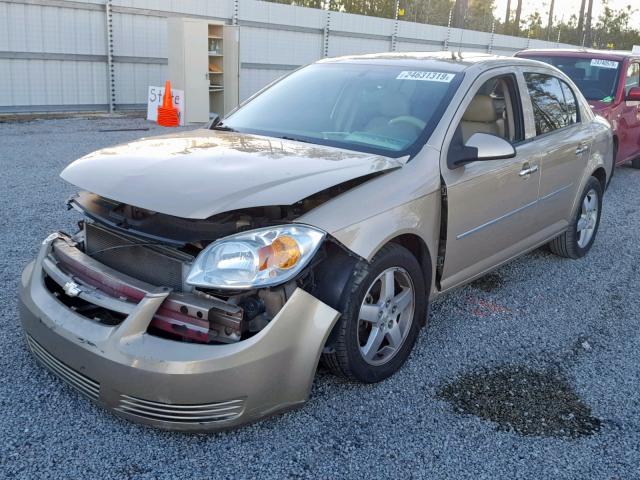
596, 78
632, 78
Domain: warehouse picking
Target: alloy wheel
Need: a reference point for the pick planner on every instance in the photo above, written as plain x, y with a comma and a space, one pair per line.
386, 315
588, 218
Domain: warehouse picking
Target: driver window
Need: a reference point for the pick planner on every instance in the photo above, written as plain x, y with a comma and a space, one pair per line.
632, 79
493, 110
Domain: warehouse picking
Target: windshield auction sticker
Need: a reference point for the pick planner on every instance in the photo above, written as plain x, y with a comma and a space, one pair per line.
598, 62
426, 76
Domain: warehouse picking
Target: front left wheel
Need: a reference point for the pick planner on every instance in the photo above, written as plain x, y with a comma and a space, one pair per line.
383, 309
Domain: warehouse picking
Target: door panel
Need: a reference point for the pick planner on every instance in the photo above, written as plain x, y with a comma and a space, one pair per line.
565, 156
491, 205
564, 140
491, 210
196, 63
629, 119
231, 67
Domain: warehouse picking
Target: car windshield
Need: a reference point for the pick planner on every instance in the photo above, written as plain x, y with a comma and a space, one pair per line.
371, 108
595, 77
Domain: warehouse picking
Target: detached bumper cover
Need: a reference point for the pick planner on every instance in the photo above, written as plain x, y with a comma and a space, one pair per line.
171, 384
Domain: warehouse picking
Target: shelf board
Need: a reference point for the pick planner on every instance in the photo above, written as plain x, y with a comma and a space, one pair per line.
215, 73
215, 37
213, 54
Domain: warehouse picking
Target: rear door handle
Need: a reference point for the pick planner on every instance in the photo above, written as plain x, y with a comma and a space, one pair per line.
527, 170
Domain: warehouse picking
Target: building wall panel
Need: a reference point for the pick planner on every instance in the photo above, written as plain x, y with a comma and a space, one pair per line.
134, 80
139, 36
278, 14
56, 55
353, 45
253, 79
262, 45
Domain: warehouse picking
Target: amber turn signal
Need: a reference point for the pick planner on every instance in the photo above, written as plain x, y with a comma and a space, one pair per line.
283, 253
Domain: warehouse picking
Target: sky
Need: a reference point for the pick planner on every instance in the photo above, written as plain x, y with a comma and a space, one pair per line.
566, 8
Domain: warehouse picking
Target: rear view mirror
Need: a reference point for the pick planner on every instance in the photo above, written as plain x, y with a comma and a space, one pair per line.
480, 147
633, 95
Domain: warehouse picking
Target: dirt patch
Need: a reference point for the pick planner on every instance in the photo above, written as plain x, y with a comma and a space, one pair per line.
524, 400
488, 283
483, 308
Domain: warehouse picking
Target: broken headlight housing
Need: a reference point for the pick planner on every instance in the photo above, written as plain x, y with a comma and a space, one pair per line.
258, 258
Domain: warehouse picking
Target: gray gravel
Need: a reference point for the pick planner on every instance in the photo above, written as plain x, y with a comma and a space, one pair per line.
540, 313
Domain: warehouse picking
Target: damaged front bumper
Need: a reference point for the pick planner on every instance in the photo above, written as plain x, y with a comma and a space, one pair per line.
168, 383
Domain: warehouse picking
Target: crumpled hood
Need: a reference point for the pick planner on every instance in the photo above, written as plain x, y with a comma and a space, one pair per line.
200, 173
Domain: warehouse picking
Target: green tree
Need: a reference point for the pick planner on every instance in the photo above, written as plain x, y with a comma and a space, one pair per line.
433, 12
613, 29
480, 15
533, 26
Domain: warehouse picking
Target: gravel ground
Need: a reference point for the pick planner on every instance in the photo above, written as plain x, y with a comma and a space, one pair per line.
532, 372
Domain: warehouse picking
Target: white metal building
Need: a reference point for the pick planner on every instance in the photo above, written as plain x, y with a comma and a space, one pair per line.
97, 55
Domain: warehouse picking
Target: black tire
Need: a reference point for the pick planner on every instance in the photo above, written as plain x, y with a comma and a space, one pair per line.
345, 358
566, 245
635, 163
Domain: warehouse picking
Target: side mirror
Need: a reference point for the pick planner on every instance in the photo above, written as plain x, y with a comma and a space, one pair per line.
633, 95
480, 147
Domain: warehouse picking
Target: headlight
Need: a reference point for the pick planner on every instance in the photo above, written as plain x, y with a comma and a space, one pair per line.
257, 258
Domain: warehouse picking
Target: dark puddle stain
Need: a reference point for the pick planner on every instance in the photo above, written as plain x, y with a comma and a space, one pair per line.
527, 401
488, 283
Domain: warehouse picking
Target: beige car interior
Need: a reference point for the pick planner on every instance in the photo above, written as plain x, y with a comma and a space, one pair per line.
392, 105
490, 111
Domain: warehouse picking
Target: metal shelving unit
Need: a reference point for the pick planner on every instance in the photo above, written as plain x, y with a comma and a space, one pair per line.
204, 62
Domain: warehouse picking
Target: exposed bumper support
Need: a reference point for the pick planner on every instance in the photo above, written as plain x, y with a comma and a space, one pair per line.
171, 384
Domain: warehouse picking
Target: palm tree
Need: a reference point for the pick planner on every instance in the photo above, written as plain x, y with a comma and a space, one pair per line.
507, 15
581, 20
587, 29
518, 14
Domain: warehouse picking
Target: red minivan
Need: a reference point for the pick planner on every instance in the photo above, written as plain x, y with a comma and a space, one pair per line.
610, 81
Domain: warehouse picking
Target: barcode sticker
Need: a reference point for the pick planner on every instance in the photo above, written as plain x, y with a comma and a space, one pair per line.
426, 76
598, 62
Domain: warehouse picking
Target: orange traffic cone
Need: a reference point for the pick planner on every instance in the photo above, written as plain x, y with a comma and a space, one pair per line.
167, 113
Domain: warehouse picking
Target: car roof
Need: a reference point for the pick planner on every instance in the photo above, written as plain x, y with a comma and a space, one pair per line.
581, 52
451, 61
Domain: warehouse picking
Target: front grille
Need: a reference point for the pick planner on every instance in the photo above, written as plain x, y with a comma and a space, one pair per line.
154, 264
203, 413
80, 382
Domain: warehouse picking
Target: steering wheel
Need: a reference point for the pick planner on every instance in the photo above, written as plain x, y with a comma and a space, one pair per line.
594, 92
408, 119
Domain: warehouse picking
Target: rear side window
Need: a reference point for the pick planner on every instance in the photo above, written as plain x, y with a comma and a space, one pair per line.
554, 104
570, 102
632, 79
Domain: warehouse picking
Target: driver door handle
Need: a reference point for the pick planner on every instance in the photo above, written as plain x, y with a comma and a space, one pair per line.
527, 170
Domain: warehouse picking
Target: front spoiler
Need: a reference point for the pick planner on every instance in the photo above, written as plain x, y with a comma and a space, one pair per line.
171, 384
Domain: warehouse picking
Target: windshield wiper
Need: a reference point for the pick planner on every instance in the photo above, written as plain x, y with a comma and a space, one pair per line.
222, 128
284, 137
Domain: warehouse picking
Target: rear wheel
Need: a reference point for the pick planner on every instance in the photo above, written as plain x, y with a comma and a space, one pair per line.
382, 315
579, 237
